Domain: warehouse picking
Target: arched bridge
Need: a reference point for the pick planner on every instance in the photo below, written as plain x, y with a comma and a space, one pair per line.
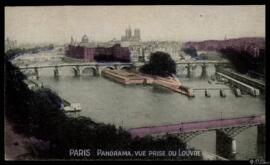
97, 68
204, 64
226, 129
192, 64
79, 68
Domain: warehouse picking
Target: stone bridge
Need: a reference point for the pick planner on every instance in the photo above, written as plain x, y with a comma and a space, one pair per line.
192, 64
97, 68
79, 68
226, 129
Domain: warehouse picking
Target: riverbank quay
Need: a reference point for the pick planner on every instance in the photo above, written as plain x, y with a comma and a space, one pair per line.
127, 77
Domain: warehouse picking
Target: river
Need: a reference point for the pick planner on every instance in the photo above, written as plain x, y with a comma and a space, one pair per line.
139, 105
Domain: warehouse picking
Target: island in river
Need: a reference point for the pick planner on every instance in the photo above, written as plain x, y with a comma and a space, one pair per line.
128, 77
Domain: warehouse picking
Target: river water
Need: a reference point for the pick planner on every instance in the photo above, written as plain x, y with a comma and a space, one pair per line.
143, 105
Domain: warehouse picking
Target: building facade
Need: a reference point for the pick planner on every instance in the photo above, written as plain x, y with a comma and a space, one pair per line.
10, 44
114, 53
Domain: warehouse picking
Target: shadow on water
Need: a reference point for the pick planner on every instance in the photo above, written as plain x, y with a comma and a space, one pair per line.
227, 153
161, 90
261, 150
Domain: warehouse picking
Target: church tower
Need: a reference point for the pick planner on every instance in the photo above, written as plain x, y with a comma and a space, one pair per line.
137, 34
72, 42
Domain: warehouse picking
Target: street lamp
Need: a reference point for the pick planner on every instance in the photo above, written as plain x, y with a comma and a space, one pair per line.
181, 128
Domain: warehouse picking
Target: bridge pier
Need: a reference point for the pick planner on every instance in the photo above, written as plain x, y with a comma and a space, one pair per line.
237, 92
216, 68
115, 66
225, 145
56, 72
207, 93
134, 68
233, 146
261, 134
188, 71
36, 72
204, 72
222, 93
261, 139
98, 71
77, 71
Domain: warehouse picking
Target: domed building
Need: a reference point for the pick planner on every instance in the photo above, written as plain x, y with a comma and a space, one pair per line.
86, 43
89, 51
85, 39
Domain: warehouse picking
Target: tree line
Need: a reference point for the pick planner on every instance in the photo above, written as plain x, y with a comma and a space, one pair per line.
11, 53
244, 61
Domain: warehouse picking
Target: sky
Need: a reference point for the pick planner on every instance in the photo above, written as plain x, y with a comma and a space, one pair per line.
55, 24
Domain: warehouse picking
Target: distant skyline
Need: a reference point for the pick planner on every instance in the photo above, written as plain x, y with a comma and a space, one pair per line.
57, 24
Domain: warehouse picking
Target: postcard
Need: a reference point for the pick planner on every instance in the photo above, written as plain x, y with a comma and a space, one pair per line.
135, 82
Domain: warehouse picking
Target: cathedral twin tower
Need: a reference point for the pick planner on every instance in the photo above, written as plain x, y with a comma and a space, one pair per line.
129, 37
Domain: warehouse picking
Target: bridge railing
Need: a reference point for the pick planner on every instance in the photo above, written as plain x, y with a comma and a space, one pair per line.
76, 64
218, 119
199, 121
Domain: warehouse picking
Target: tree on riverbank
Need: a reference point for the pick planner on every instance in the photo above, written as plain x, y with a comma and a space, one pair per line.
160, 64
244, 61
190, 51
